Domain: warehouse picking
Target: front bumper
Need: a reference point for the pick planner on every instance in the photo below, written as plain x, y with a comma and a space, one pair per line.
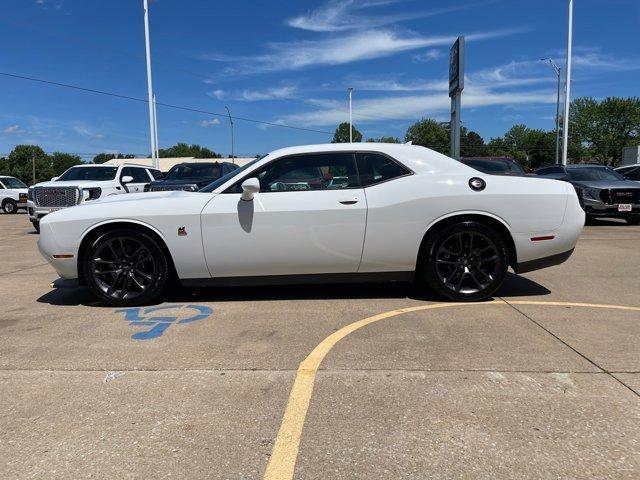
601, 209
36, 212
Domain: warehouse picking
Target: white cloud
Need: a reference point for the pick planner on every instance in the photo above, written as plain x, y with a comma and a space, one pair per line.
219, 94
12, 129
342, 15
362, 45
287, 91
82, 129
417, 106
386, 85
209, 123
429, 55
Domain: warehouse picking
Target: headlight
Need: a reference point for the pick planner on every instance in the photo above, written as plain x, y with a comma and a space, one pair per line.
591, 193
91, 193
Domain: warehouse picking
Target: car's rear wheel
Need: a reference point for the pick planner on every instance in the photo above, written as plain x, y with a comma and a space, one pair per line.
9, 206
466, 261
126, 267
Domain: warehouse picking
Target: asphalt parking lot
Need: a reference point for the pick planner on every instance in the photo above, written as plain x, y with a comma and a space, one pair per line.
332, 382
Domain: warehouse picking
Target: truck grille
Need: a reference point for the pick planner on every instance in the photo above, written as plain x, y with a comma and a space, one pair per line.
165, 188
56, 197
613, 196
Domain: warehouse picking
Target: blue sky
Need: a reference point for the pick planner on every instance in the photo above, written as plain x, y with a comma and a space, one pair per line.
290, 62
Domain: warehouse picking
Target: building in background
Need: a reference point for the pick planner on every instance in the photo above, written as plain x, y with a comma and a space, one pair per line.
631, 155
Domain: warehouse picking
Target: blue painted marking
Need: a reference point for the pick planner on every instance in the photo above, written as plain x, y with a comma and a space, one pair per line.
139, 317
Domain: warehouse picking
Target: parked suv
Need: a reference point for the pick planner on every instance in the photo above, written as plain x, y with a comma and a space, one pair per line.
191, 177
630, 172
83, 183
495, 165
13, 194
602, 191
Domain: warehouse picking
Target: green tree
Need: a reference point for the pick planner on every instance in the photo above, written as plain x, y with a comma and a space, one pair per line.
472, 144
384, 140
20, 161
341, 135
605, 127
61, 161
185, 150
105, 157
429, 133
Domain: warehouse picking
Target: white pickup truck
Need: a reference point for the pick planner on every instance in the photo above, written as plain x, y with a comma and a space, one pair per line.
83, 183
13, 194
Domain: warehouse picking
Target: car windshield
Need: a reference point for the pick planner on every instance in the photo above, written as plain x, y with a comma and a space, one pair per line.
194, 170
225, 178
11, 182
96, 174
496, 166
594, 174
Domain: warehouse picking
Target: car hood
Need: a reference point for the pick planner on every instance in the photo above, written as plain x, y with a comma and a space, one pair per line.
133, 199
604, 184
74, 183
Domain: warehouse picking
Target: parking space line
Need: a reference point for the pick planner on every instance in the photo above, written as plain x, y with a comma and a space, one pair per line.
284, 454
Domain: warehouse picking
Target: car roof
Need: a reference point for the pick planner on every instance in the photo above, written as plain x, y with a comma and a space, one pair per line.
587, 165
417, 158
102, 165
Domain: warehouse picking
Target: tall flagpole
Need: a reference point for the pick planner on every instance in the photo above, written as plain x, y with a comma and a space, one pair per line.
155, 128
567, 95
350, 90
152, 135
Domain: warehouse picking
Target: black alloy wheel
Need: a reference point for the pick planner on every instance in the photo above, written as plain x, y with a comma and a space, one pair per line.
466, 261
126, 267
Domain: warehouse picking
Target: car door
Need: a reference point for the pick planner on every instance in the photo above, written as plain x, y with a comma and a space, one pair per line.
302, 221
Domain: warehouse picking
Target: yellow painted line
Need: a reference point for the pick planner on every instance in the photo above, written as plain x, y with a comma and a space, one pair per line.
284, 454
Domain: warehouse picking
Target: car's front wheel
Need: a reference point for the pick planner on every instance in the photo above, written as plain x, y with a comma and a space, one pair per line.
466, 261
125, 268
633, 219
9, 206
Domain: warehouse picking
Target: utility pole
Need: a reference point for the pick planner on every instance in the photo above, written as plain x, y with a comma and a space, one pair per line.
155, 129
567, 96
233, 157
350, 90
33, 166
456, 85
558, 70
152, 135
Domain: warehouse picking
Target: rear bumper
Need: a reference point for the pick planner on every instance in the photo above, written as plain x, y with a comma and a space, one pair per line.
544, 262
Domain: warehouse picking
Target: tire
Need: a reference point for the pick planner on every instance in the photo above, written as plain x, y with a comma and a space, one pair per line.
9, 206
589, 219
633, 219
465, 262
126, 268
36, 225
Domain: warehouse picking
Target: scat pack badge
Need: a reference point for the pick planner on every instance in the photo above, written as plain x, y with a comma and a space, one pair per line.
156, 320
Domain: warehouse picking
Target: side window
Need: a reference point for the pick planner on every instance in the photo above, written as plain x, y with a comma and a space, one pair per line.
323, 171
375, 168
633, 174
155, 174
139, 174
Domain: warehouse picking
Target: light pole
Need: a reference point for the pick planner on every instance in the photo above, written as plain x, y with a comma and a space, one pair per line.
556, 69
147, 43
232, 148
155, 129
567, 95
350, 90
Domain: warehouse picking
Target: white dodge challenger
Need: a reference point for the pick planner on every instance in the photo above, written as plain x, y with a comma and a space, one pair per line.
320, 214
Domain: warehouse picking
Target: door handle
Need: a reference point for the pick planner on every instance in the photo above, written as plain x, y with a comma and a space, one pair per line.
349, 201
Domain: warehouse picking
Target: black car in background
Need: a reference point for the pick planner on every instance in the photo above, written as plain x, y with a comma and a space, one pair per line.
603, 192
191, 177
495, 165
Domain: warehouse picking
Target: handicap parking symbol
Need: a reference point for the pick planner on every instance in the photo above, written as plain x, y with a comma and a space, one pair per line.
159, 321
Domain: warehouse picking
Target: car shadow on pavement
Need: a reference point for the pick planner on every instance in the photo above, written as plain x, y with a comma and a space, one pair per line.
514, 286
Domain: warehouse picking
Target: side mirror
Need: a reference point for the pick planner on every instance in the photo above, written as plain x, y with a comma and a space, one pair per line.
250, 187
53, 179
127, 179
